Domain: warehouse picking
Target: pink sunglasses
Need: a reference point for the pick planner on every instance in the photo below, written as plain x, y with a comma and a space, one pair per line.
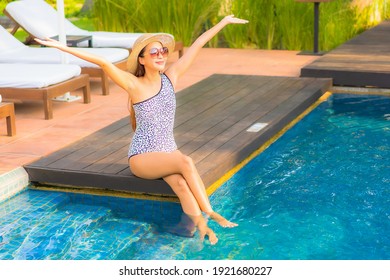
154, 52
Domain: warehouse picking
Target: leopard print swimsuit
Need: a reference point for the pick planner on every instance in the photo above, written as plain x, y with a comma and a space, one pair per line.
155, 120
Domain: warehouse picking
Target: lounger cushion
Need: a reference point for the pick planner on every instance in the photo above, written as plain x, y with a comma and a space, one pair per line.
104, 39
41, 20
14, 51
8, 43
34, 16
35, 75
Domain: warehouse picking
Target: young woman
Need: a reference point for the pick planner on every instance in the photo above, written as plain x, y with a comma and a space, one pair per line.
153, 152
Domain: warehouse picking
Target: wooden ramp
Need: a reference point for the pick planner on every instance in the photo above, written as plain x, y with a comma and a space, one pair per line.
211, 121
363, 61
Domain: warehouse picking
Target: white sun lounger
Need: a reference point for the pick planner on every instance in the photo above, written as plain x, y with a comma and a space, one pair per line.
42, 82
40, 20
14, 51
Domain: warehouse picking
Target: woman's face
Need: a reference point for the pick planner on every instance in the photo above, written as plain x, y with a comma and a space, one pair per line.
154, 57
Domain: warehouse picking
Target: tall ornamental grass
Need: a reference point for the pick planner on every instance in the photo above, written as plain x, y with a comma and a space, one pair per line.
185, 19
337, 24
273, 24
260, 31
71, 7
287, 24
294, 22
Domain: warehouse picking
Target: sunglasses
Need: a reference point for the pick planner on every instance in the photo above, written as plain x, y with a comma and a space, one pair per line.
154, 52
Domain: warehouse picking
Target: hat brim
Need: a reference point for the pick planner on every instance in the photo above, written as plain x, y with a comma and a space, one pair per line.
167, 40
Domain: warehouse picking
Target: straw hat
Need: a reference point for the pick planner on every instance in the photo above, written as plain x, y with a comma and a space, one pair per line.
167, 40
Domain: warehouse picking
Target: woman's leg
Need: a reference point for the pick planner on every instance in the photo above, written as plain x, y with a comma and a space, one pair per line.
190, 205
159, 165
208, 210
180, 188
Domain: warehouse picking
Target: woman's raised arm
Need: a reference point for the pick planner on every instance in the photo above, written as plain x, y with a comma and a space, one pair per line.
122, 78
180, 66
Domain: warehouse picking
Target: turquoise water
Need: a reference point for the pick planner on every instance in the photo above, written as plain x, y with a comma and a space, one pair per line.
320, 192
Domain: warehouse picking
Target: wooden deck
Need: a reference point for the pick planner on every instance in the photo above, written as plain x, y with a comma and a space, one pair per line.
211, 121
363, 61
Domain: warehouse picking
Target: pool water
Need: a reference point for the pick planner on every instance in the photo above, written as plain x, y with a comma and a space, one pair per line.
321, 191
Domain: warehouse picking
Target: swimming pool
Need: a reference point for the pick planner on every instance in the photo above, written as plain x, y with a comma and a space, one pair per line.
321, 191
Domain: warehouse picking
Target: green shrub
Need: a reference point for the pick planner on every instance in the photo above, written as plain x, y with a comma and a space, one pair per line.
287, 24
184, 19
71, 7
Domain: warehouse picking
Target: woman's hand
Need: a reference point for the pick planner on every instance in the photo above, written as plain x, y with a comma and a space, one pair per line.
49, 42
231, 19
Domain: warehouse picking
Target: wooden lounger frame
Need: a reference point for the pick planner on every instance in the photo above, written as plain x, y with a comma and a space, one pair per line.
99, 73
46, 94
91, 71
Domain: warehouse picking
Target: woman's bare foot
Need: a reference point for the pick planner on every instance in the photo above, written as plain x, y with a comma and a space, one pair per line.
204, 230
221, 220
185, 227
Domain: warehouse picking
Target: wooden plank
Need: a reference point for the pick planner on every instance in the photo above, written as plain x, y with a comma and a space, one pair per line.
77, 179
198, 89
80, 145
95, 151
352, 78
216, 114
206, 99
114, 162
363, 61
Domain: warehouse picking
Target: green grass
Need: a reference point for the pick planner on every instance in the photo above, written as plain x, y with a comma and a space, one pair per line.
21, 35
83, 23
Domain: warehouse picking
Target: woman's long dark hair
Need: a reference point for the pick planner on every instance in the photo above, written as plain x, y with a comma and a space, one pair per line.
140, 68
138, 73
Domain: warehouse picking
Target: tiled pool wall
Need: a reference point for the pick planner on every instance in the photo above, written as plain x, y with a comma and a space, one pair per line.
12, 183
